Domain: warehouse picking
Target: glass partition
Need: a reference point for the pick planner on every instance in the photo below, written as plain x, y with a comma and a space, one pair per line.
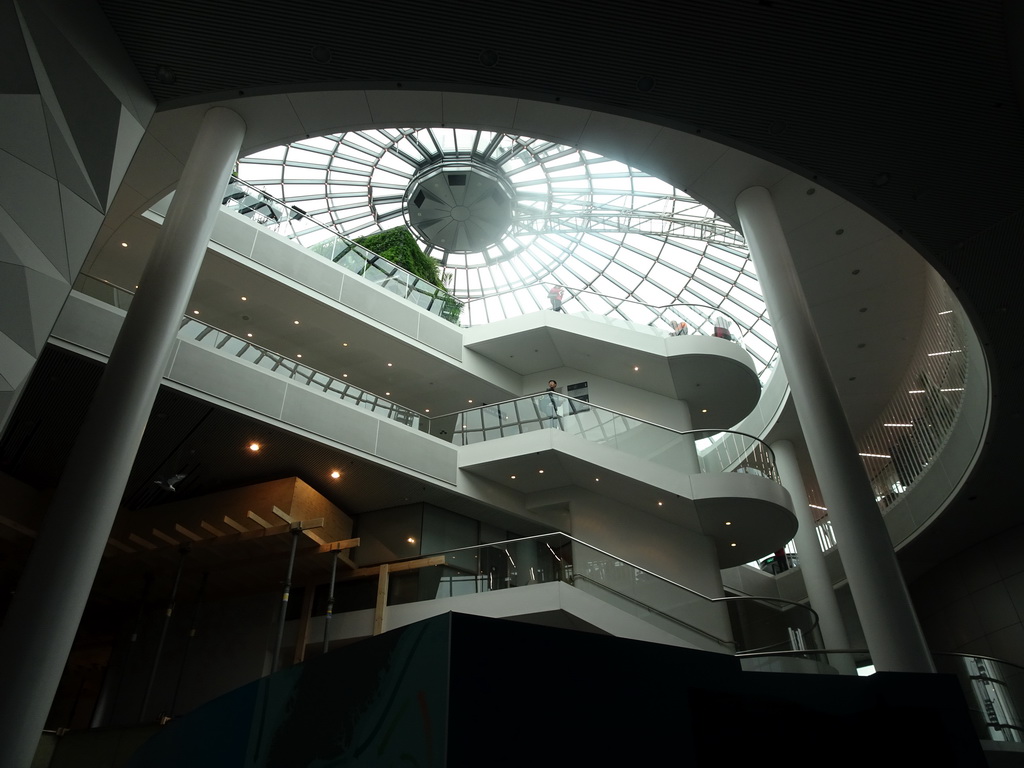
717, 450
267, 210
723, 623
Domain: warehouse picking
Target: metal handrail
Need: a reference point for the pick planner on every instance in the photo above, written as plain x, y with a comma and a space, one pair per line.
695, 593
188, 319
580, 577
397, 269
593, 407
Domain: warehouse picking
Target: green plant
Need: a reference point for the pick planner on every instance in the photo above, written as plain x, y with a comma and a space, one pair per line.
399, 247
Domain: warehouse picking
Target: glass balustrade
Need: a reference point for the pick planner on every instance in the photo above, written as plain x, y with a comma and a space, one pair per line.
716, 451
325, 242
727, 623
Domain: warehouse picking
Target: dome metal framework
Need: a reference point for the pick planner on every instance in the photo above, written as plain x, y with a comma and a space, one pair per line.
509, 216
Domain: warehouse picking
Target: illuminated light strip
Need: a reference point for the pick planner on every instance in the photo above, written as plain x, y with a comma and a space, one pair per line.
816, 506
897, 425
952, 389
876, 455
945, 311
949, 352
915, 392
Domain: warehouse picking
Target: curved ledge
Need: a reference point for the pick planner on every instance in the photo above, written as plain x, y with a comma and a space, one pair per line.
717, 378
759, 510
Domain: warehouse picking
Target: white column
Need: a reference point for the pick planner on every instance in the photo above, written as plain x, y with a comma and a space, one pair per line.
812, 561
53, 590
887, 615
689, 463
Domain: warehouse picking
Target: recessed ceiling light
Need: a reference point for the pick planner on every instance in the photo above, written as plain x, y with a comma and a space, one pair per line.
597, 479
195, 311
124, 245
540, 471
248, 335
299, 355
344, 375
335, 474
295, 321
344, 343
411, 540
426, 410
733, 544
513, 477
244, 298
703, 410
469, 401
660, 504
387, 394
636, 367
390, 364
254, 447
728, 522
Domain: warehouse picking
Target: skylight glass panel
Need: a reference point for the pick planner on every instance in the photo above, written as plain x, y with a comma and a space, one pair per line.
616, 237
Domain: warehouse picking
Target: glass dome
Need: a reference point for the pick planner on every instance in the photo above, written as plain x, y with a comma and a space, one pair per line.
507, 217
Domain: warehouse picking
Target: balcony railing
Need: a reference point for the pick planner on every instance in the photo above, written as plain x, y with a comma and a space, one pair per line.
717, 451
729, 623
267, 210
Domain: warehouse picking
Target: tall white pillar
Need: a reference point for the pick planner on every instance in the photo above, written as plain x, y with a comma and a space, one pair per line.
52, 591
812, 561
689, 462
887, 615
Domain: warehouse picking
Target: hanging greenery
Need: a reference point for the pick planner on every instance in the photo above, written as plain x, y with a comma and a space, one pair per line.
399, 247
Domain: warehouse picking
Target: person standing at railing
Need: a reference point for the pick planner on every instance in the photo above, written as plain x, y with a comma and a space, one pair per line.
549, 405
722, 328
680, 328
555, 297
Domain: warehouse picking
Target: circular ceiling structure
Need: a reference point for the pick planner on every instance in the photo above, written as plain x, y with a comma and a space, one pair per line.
508, 216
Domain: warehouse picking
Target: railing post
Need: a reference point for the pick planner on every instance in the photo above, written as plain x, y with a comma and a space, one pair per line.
382, 599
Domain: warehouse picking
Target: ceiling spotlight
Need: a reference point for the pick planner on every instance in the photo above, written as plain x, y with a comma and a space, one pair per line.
254, 447
125, 245
636, 367
335, 474
299, 354
390, 364
195, 311
248, 335
244, 298
733, 544
728, 522
540, 471
411, 540
513, 477
296, 322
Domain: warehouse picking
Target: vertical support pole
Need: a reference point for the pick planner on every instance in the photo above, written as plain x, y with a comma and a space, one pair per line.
303, 634
812, 561
58, 576
382, 599
689, 462
890, 625
275, 661
168, 613
330, 602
